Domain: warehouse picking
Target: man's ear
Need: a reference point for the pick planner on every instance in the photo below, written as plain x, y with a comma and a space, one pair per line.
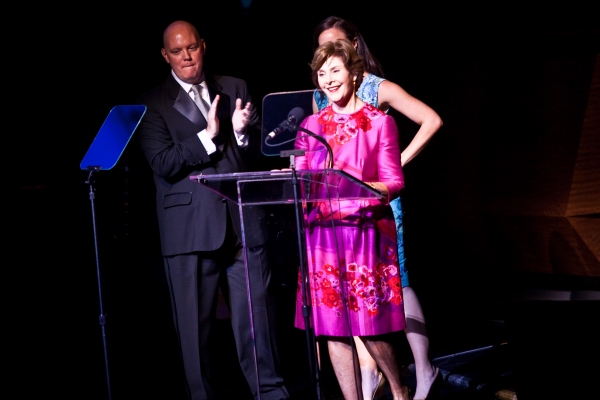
163, 52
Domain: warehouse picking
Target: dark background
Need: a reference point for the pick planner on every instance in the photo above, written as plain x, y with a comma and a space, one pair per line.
504, 200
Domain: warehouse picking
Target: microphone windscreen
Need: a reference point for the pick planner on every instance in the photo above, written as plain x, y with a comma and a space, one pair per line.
296, 115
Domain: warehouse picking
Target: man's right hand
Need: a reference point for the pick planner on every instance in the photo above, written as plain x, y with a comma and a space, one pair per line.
212, 129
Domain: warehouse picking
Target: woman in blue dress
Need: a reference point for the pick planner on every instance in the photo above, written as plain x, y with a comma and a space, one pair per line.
384, 94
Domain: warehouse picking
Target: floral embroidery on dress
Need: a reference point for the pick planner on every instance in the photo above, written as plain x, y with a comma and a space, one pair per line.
372, 290
344, 127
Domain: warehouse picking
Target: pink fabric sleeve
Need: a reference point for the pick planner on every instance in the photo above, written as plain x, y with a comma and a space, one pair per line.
302, 144
388, 157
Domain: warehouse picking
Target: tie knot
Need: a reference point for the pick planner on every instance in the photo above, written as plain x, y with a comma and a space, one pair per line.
197, 89
198, 92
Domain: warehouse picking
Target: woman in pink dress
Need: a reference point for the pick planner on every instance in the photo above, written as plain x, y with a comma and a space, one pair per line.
352, 256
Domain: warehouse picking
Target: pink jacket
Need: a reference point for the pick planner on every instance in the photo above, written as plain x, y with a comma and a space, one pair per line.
365, 145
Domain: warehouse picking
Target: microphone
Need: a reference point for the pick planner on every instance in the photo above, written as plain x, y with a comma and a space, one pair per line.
295, 116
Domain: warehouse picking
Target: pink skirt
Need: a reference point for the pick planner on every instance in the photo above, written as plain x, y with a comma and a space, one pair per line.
353, 271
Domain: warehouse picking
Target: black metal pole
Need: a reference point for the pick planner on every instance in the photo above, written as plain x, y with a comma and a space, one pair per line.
310, 339
102, 318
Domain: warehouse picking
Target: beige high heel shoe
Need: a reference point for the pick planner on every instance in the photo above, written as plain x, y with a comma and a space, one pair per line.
379, 387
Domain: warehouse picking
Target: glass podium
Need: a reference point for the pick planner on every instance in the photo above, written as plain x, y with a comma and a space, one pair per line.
298, 188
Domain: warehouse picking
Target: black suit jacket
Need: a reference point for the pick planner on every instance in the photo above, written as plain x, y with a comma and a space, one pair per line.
192, 217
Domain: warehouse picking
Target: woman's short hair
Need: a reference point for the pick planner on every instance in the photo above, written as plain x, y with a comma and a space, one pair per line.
343, 49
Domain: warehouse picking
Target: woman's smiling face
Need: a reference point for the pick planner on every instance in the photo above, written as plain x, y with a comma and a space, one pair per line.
336, 81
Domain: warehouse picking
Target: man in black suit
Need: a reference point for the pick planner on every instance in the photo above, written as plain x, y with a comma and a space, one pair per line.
200, 232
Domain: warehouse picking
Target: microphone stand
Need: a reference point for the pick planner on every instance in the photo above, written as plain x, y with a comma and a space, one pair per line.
304, 267
320, 139
330, 166
310, 339
295, 127
306, 310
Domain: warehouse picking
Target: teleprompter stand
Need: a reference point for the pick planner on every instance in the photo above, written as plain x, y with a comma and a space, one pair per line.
103, 154
297, 188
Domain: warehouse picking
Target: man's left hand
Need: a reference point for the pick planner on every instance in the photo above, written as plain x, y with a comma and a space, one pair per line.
241, 116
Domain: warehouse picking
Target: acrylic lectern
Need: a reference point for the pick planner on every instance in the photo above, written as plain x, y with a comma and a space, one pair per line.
298, 188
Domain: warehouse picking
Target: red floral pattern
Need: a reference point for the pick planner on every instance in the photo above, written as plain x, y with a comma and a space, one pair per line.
363, 287
344, 127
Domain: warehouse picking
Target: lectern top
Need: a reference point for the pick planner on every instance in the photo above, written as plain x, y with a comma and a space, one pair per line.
277, 187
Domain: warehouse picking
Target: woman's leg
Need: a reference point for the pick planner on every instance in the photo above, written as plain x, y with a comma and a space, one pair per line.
416, 330
342, 358
416, 333
385, 356
369, 372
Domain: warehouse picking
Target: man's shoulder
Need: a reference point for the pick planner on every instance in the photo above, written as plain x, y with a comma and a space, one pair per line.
228, 78
229, 81
159, 91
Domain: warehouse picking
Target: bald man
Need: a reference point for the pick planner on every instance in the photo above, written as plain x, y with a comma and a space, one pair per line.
200, 231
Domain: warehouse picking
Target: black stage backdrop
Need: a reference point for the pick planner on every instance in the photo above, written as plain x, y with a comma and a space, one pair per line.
502, 198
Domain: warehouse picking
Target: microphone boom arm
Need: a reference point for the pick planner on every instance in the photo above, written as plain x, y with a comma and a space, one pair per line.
320, 139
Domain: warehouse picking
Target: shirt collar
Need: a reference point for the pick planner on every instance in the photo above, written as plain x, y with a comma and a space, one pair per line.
188, 86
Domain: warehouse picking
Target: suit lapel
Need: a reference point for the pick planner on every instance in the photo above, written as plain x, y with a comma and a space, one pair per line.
184, 103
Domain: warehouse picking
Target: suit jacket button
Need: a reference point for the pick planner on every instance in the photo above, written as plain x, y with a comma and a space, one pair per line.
223, 200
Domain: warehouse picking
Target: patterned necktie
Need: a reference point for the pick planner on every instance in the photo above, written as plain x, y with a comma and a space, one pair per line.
202, 105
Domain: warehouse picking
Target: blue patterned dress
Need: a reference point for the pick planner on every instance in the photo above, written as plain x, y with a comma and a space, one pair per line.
368, 92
